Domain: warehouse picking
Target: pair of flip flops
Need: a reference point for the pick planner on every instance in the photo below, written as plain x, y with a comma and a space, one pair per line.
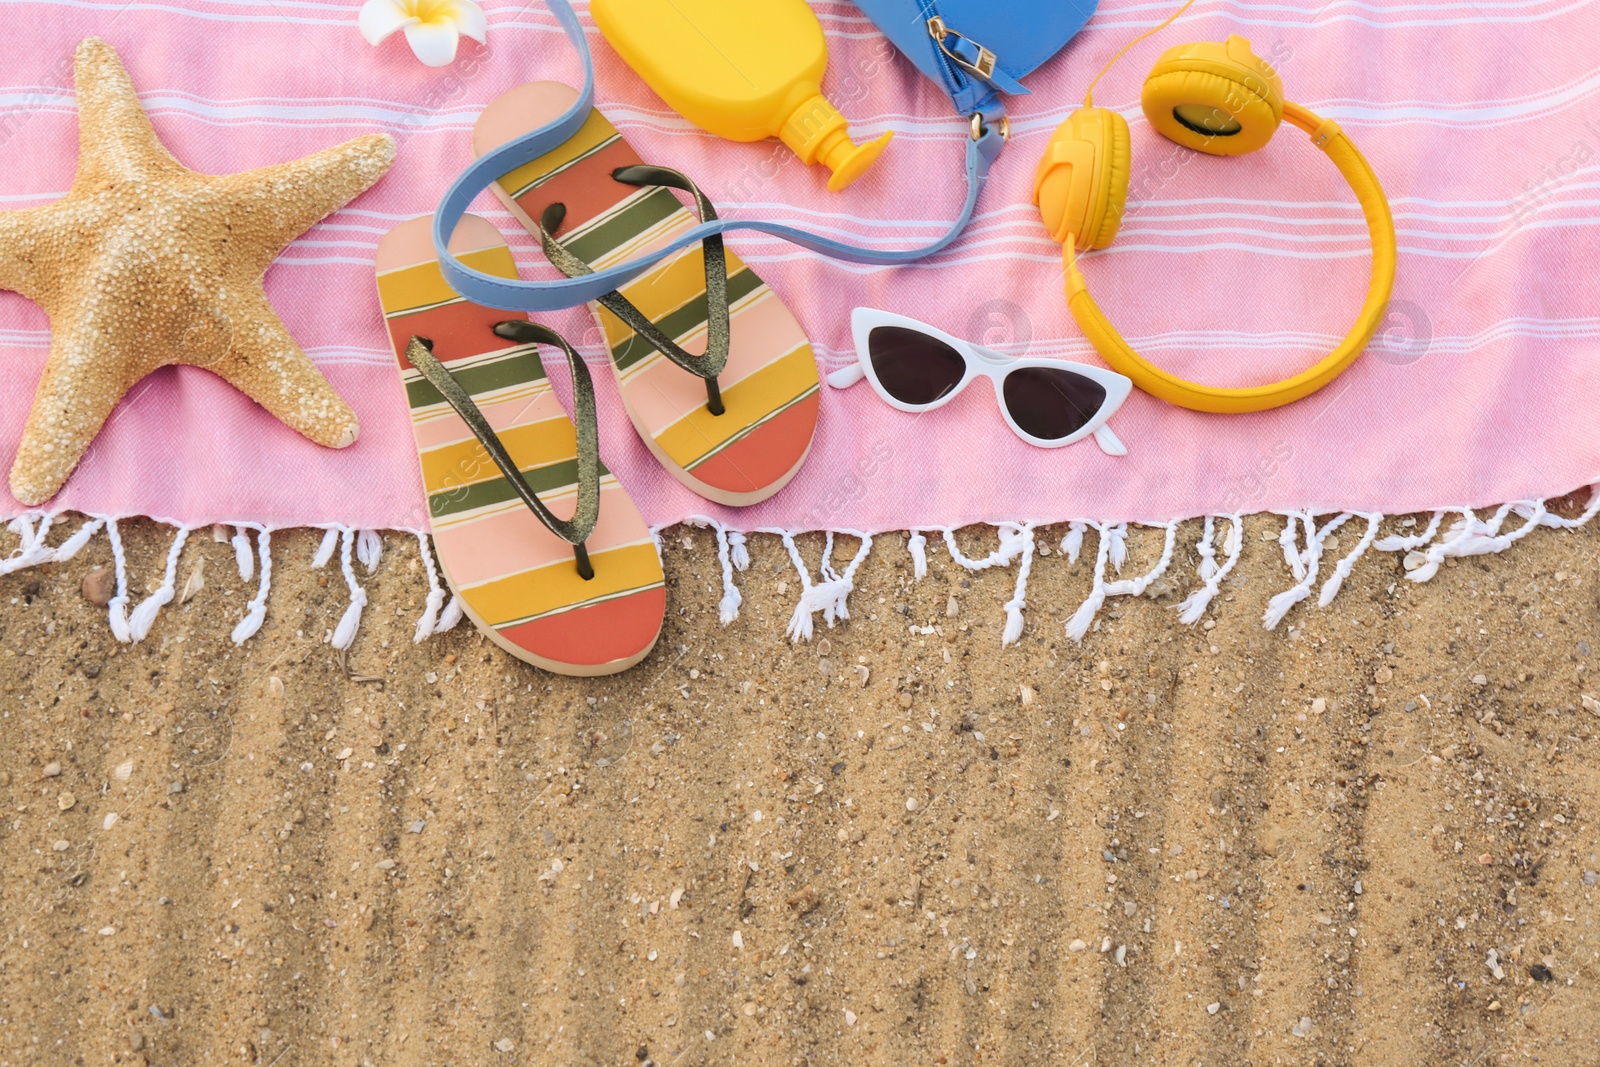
550, 557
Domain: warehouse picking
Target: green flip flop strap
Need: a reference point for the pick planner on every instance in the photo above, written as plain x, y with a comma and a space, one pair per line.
708, 366
575, 531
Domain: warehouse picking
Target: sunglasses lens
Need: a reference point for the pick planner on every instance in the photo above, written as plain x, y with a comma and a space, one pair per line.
1049, 403
913, 367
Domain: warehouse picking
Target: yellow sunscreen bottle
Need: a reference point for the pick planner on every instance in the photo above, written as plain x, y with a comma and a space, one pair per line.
741, 69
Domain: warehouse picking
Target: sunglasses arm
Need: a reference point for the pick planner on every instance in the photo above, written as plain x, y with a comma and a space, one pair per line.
1109, 442
845, 377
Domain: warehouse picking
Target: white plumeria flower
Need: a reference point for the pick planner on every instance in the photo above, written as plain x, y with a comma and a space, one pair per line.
433, 27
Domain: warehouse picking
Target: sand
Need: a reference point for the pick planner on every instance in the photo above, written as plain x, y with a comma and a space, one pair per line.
1366, 839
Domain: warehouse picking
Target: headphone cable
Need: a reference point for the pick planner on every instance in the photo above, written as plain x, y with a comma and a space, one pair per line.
1088, 97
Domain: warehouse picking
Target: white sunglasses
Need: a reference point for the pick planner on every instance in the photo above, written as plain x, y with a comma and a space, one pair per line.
1046, 402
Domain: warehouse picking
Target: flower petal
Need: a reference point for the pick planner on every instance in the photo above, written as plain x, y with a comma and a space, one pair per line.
380, 18
469, 19
433, 42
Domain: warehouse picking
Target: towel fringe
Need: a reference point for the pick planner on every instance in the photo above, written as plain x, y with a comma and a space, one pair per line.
917, 545
345, 633
728, 609
1194, 606
256, 611
831, 594
1078, 625
428, 625
1217, 553
144, 616
242, 554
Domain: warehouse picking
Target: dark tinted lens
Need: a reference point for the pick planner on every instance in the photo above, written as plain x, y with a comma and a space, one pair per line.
1050, 403
913, 367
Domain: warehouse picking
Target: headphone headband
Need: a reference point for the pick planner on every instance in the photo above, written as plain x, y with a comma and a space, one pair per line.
1218, 98
1327, 136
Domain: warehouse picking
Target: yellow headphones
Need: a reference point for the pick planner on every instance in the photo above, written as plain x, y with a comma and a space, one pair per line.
1214, 97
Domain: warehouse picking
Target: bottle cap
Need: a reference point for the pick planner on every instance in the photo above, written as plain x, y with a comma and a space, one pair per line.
817, 133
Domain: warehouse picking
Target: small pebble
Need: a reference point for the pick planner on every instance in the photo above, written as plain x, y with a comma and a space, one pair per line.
61, 846
99, 586
911, 804
110, 820
1479, 679
1213, 1008
51, 770
124, 771
505, 1044
952, 607
1303, 1027
849, 1017
1383, 675
1077, 945
66, 801
738, 939
107, 931
1319, 705
417, 827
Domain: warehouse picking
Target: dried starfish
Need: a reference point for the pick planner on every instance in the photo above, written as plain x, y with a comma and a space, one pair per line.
145, 263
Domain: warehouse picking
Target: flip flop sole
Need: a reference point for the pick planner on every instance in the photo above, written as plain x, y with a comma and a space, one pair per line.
516, 579
769, 386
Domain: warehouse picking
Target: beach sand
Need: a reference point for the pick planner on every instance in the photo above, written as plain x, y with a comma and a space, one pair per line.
1368, 837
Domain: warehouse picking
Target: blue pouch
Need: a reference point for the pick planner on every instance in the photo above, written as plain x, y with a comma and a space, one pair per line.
978, 50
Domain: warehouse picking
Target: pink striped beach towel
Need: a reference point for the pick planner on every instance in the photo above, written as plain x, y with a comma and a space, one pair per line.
1478, 118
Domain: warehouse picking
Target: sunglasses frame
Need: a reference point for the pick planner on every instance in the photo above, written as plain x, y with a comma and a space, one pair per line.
981, 362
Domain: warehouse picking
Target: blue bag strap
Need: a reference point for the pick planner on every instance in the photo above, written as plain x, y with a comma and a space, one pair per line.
486, 289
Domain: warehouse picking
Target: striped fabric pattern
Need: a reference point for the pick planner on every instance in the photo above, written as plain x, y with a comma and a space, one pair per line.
513, 573
1479, 117
769, 385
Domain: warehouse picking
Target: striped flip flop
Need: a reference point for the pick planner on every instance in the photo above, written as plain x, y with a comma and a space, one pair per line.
593, 203
557, 567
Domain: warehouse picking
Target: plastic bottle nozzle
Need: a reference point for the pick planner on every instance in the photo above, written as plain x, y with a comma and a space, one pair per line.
819, 134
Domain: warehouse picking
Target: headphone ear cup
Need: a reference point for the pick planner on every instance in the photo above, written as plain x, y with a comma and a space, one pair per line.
1081, 184
1215, 97
1115, 170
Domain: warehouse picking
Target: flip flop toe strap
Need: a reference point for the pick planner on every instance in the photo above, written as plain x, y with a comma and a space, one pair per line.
706, 366
575, 531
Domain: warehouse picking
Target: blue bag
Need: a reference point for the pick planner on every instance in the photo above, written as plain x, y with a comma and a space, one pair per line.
984, 46
977, 50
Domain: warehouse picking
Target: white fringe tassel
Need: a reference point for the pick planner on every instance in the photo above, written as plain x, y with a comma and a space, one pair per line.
117, 609
144, 616
1013, 631
1078, 625
917, 545
830, 595
1137, 586
427, 626
1194, 606
1072, 542
330, 541
1341, 571
74, 544
369, 549
450, 615
242, 555
350, 622
1308, 562
728, 608
255, 611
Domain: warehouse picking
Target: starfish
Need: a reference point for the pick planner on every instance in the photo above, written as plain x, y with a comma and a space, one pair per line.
145, 263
